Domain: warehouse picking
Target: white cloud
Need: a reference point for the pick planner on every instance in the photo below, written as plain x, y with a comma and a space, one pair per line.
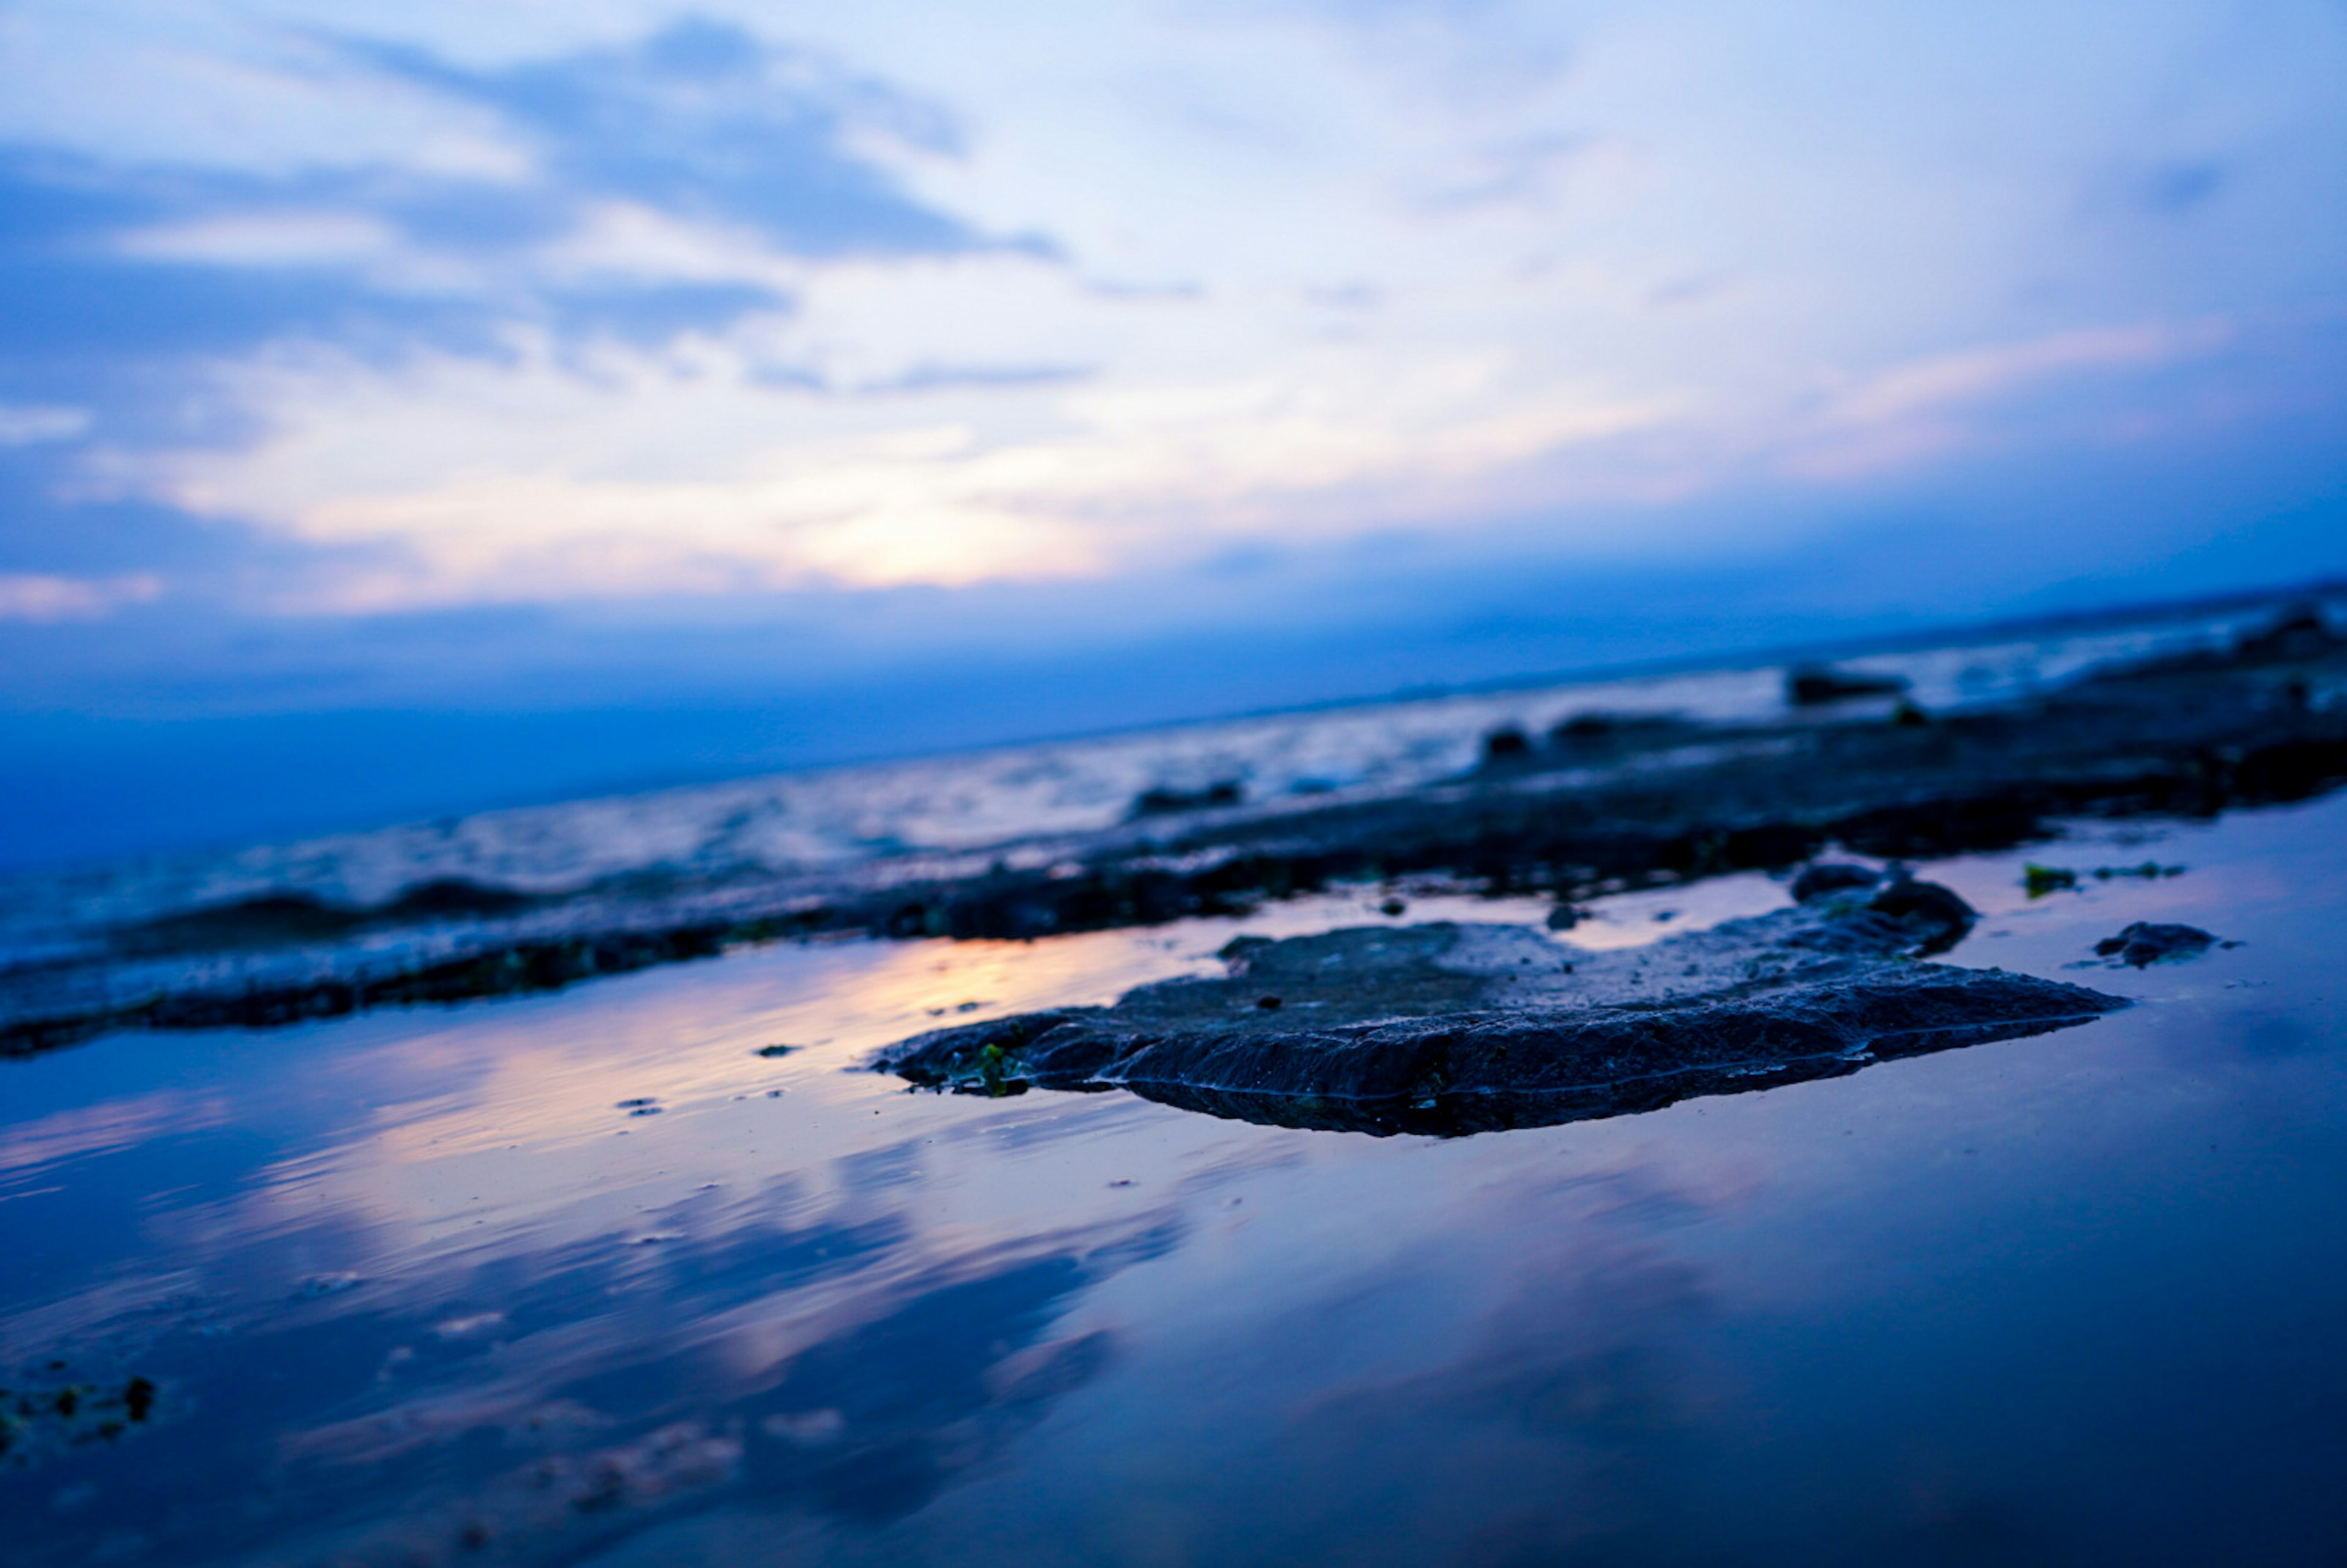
265, 240
629, 471
40, 597
30, 424
158, 83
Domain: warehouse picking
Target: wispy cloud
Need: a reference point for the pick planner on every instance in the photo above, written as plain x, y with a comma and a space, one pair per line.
541, 307
28, 425
40, 597
1944, 381
1908, 412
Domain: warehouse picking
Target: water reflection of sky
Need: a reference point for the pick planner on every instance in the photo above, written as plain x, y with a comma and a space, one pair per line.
419, 1287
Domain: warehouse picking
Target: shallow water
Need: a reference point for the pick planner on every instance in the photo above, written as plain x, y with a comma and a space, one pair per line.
584, 1278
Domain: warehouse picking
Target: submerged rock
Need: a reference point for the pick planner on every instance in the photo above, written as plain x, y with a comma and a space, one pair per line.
1448, 1028
2146, 942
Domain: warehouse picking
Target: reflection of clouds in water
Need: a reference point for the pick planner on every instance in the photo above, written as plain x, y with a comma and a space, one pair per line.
845, 1364
95, 1130
1403, 1344
856, 1324
1555, 1406
547, 1334
874, 1422
620, 1304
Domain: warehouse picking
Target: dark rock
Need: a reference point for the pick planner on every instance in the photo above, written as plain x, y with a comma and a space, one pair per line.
1931, 917
1162, 801
1815, 685
275, 920
1832, 876
2295, 636
266, 919
2149, 871
2146, 942
1608, 732
1996, 817
1447, 1028
449, 897
1584, 727
1505, 746
2302, 632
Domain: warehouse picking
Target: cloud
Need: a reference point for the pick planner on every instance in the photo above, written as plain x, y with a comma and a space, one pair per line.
1973, 375
703, 120
541, 475
529, 307
294, 238
28, 425
645, 191
36, 597
1912, 411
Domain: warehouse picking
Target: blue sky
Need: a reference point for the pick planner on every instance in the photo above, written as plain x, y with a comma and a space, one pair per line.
933, 373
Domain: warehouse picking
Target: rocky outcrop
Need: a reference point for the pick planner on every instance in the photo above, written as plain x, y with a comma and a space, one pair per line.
1447, 1028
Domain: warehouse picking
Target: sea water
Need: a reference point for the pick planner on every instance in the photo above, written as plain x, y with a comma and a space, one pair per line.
603, 1277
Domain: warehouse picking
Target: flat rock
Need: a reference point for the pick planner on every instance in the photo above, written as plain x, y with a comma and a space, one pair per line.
1459, 1027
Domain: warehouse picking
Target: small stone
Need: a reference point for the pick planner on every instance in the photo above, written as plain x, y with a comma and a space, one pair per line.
2146, 942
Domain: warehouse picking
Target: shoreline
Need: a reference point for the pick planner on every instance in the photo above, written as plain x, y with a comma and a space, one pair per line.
2181, 736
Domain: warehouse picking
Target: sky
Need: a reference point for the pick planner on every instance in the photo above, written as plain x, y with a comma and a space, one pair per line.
403, 412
